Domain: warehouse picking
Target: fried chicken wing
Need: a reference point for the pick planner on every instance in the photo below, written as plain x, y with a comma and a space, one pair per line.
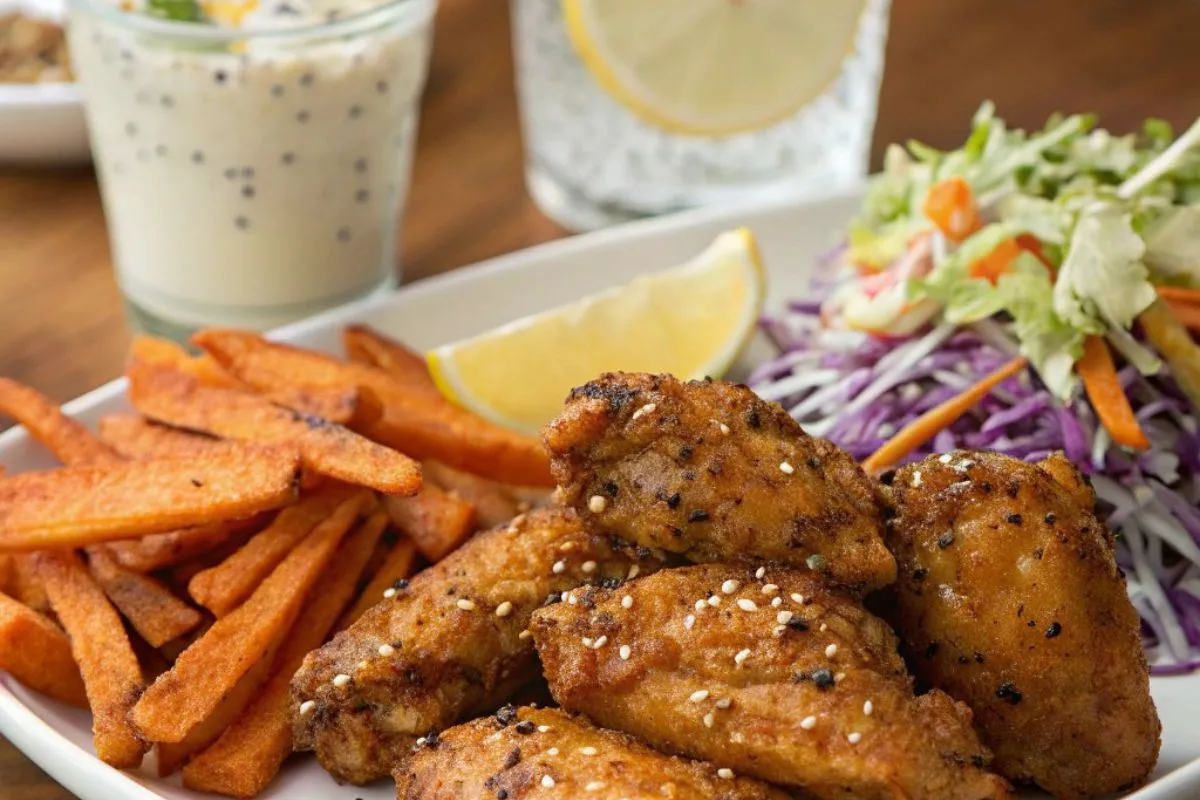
1010, 600
446, 645
767, 672
531, 754
709, 470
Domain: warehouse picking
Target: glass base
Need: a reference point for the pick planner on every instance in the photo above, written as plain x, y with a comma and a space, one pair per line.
143, 320
571, 209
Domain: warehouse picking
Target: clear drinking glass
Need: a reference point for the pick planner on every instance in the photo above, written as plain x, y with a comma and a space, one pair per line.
251, 175
591, 162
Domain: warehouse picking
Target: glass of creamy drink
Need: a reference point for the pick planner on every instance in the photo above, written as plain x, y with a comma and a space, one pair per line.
253, 155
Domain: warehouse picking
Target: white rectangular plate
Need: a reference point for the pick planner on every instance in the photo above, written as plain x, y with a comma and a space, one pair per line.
460, 304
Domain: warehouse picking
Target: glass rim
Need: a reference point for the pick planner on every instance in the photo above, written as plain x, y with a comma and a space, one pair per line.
354, 24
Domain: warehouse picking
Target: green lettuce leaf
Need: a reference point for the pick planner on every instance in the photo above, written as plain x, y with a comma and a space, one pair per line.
1173, 246
1102, 282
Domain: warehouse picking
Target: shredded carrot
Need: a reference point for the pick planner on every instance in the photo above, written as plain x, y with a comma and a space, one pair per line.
1107, 395
996, 263
1030, 244
1179, 294
937, 419
951, 206
1187, 314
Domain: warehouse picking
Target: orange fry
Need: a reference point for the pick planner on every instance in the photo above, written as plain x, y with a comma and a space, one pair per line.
161, 550
400, 564
437, 522
366, 345
205, 673
222, 588
136, 437
249, 754
168, 354
1107, 396
77, 506
70, 442
415, 422
929, 424
495, 503
157, 615
325, 448
26, 585
336, 406
110, 670
35, 652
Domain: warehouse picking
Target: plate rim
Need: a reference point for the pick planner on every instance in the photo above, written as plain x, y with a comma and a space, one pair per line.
43, 744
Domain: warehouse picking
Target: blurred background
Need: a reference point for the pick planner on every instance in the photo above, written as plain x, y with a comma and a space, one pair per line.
62, 322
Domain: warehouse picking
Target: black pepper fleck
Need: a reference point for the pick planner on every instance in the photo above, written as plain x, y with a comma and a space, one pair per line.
823, 678
610, 488
551, 599
1054, 630
197, 483
754, 420
797, 624
1014, 519
511, 760
1050, 518
931, 649
400, 584
611, 582
506, 714
919, 573
888, 477
685, 452
945, 540
525, 727
978, 658
1038, 553
697, 515
1008, 691
673, 501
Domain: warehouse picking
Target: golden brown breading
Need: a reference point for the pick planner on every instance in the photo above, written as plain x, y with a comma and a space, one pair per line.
709, 470
807, 692
1011, 601
536, 754
446, 645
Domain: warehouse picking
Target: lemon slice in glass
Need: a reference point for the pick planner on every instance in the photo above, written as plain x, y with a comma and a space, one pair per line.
713, 67
690, 321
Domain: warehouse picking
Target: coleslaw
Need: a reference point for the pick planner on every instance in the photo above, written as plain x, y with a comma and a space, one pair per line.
1071, 249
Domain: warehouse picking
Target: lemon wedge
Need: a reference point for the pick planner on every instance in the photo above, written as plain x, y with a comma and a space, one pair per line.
713, 67
690, 321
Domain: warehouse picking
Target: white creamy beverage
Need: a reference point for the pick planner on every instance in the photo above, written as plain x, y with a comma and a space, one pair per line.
253, 164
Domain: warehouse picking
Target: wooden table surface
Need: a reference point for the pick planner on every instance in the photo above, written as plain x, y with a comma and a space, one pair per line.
61, 325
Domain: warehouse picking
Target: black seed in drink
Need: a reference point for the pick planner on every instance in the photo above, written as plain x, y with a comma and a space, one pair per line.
355, 111
381, 87
131, 128
160, 150
302, 116
197, 157
167, 101
288, 158
362, 195
247, 192
241, 223
220, 76
247, 172
306, 79
360, 165
126, 55
277, 90
343, 234
231, 174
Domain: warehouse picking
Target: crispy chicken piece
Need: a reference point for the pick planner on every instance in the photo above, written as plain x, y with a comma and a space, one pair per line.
531, 753
709, 470
1010, 600
767, 672
445, 645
